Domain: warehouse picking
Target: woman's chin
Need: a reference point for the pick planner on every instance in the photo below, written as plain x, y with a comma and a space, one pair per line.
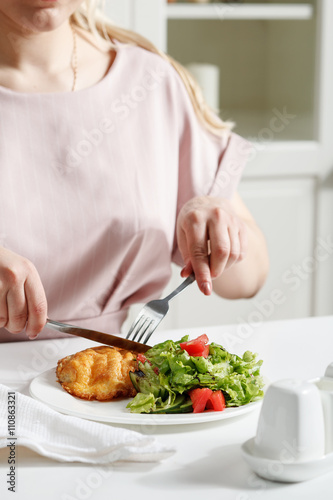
47, 19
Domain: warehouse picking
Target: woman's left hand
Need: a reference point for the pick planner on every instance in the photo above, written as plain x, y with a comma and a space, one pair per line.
211, 238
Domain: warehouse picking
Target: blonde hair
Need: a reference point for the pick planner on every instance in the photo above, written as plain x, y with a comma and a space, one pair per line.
90, 17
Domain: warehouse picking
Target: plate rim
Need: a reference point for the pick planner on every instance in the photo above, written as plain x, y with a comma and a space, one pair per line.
134, 418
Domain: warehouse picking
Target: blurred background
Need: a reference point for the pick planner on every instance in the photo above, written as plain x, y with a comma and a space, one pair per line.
267, 66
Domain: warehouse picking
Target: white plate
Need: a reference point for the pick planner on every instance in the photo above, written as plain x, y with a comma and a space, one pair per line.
46, 389
287, 472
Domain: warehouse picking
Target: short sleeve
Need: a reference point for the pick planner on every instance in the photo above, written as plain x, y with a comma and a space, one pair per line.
208, 164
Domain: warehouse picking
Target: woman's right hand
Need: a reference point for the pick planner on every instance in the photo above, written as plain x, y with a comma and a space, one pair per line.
22, 297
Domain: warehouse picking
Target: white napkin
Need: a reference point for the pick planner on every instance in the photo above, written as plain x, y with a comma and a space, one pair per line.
72, 439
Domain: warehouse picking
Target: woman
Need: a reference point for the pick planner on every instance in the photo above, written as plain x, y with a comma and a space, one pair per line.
112, 167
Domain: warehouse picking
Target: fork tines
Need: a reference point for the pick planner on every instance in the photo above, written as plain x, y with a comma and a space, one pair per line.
143, 324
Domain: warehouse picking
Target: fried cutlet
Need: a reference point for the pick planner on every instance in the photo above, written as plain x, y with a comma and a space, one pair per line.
100, 373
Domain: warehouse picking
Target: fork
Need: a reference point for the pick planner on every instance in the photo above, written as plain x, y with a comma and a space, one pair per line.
152, 314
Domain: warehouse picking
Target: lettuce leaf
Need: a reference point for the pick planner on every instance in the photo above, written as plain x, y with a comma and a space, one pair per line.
178, 372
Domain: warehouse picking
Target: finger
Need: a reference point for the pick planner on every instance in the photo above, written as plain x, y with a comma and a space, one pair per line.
220, 248
17, 309
182, 245
3, 305
197, 244
244, 243
234, 247
187, 270
37, 306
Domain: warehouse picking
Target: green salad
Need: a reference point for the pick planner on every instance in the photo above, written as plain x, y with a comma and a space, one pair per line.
193, 376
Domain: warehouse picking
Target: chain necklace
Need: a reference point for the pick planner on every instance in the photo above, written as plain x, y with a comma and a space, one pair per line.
74, 57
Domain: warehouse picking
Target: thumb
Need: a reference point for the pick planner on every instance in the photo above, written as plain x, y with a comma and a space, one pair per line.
183, 248
187, 270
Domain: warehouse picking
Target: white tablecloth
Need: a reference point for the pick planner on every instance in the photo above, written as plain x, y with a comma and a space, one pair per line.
208, 462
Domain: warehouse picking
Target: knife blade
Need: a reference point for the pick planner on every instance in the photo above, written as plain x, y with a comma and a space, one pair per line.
102, 338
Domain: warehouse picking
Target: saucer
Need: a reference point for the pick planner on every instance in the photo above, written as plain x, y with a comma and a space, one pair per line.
285, 471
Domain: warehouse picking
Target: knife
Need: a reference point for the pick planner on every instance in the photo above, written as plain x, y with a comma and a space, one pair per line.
102, 338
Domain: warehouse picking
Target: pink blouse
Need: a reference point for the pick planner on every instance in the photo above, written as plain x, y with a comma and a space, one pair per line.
92, 182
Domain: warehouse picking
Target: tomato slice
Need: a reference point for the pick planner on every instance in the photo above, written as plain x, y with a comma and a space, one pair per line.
216, 401
196, 347
202, 338
205, 399
205, 351
141, 357
199, 398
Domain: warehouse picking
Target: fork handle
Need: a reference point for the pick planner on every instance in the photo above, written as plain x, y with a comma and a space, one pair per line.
181, 287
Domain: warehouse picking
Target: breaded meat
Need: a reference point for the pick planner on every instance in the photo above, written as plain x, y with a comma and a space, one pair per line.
100, 373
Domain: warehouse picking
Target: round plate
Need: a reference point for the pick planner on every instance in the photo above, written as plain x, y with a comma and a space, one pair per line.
46, 389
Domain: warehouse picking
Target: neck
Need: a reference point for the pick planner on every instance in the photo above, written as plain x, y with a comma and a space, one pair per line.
21, 49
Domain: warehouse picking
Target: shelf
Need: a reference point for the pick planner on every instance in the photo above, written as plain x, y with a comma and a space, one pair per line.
264, 126
224, 11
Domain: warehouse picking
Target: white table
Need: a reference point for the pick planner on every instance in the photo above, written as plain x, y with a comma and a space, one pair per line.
208, 462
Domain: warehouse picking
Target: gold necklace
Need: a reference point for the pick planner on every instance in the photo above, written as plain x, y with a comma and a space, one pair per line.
74, 58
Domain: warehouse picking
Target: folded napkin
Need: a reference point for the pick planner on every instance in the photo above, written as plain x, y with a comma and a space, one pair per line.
71, 439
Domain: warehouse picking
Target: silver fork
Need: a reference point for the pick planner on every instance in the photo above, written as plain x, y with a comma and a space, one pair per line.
152, 314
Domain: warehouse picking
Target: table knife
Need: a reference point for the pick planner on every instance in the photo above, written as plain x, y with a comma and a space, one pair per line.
102, 338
